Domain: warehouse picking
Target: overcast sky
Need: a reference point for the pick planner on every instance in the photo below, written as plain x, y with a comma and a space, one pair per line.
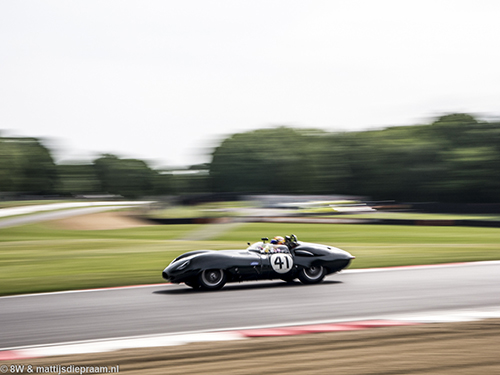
164, 81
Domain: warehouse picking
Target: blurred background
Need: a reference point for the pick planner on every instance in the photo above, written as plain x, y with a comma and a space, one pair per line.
454, 159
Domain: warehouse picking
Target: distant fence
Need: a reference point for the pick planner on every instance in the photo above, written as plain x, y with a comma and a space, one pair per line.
321, 220
196, 220
317, 220
456, 208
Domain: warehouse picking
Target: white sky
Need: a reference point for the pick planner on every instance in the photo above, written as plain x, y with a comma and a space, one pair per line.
164, 81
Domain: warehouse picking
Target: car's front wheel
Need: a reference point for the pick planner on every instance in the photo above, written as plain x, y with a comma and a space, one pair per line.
312, 275
212, 279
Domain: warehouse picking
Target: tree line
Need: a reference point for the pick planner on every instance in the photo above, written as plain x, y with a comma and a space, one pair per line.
27, 168
456, 158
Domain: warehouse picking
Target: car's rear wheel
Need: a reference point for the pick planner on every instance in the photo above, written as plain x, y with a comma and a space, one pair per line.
212, 279
312, 275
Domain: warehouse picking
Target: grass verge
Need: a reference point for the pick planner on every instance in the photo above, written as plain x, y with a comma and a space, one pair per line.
38, 258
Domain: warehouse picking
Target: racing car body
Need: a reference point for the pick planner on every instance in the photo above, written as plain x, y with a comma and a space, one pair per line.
210, 269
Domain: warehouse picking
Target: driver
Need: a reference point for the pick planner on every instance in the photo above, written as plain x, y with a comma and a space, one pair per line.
273, 246
278, 240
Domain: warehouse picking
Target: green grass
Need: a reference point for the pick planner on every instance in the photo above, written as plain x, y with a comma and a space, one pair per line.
37, 258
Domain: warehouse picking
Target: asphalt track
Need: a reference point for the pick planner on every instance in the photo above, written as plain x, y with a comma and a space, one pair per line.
110, 313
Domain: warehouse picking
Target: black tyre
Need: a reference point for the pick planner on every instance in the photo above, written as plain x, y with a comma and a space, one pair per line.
212, 279
312, 275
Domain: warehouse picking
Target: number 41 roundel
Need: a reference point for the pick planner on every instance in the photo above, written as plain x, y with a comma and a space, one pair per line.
281, 263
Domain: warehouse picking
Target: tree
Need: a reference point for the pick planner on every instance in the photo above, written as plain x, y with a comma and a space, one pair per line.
126, 177
78, 179
263, 161
26, 166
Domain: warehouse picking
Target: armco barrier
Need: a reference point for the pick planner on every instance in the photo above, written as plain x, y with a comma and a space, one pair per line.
324, 220
319, 220
199, 220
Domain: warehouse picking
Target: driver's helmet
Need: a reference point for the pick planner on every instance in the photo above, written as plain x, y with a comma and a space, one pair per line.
278, 240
